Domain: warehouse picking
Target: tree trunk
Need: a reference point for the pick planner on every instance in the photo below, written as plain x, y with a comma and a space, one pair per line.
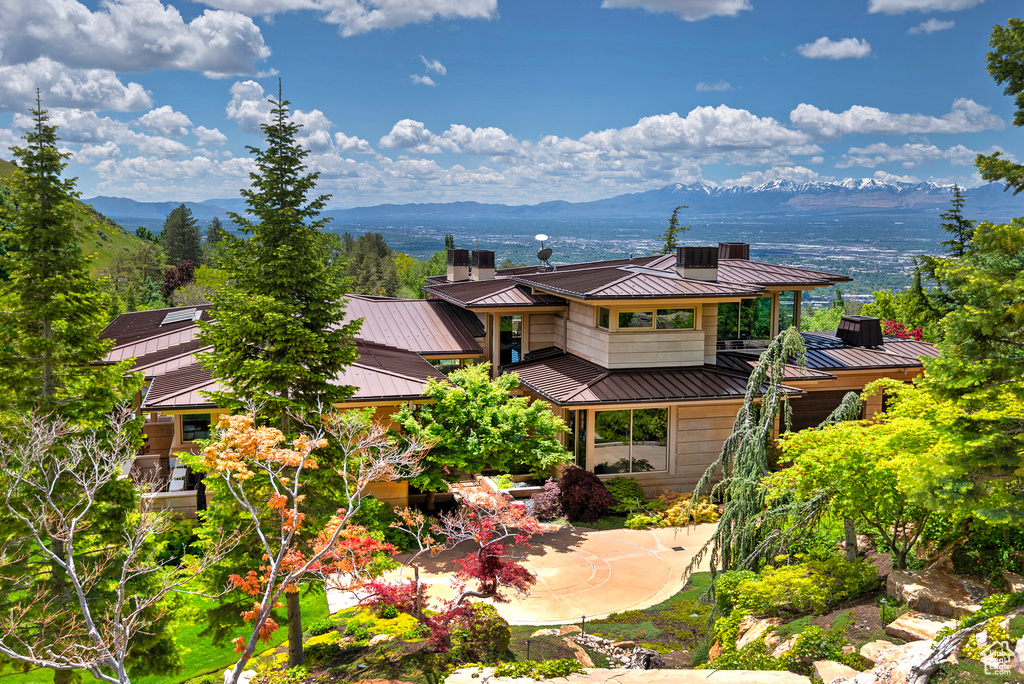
294, 629
430, 502
850, 532
418, 606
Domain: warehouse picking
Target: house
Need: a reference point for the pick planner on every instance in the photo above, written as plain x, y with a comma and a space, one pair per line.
646, 359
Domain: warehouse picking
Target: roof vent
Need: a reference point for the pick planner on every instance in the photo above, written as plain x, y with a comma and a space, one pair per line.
860, 331
458, 265
734, 250
483, 265
697, 263
180, 315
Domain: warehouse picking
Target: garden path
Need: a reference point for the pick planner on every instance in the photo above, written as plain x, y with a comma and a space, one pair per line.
581, 572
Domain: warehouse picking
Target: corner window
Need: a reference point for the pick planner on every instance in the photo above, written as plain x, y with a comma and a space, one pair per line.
603, 317
674, 319
195, 426
631, 441
635, 319
576, 436
750, 319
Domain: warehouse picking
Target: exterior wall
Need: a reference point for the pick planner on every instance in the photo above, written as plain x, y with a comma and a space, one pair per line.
545, 330
631, 349
394, 493
709, 323
158, 437
179, 503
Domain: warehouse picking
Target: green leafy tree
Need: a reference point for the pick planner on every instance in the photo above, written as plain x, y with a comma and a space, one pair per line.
438, 263
475, 424
180, 237
277, 331
1006, 66
670, 238
144, 233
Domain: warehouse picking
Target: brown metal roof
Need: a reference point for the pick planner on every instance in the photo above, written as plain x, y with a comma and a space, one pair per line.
827, 352
478, 294
632, 282
503, 273
568, 380
744, 362
758, 273
418, 325
149, 346
138, 325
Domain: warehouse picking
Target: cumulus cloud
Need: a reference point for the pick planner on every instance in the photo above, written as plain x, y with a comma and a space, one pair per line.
351, 144
690, 10
826, 48
797, 174
130, 35
703, 87
87, 128
62, 86
209, 136
413, 137
909, 155
248, 106
361, 16
931, 26
165, 121
422, 80
91, 153
492, 142
966, 116
903, 6
886, 177
434, 65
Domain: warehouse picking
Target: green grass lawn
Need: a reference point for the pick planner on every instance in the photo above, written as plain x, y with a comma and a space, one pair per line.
200, 655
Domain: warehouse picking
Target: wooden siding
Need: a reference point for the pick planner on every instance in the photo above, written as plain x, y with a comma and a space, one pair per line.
545, 330
709, 323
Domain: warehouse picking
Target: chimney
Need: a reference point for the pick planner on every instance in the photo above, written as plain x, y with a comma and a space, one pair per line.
458, 265
697, 263
483, 265
860, 331
734, 250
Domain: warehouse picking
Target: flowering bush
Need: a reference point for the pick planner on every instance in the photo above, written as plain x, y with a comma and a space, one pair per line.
897, 329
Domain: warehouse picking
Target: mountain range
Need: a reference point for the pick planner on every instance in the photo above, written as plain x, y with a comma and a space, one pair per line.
774, 199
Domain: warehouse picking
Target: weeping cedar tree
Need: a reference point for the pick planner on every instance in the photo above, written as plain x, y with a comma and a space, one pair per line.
51, 316
751, 529
278, 333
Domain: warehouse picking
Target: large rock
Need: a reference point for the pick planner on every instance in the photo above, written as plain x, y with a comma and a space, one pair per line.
752, 629
785, 647
917, 626
1014, 581
894, 665
1018, 657
829, 671
936, 592
871, 650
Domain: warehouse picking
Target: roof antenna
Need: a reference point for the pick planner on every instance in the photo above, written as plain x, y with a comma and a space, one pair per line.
545, 253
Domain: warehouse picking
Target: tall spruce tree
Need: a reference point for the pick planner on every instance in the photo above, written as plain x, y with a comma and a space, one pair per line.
960, 229
277, 331
180, 237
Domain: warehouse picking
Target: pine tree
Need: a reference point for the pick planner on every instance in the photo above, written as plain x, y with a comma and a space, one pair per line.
180, 237
960, 228
277, 332
215, 232
670, 238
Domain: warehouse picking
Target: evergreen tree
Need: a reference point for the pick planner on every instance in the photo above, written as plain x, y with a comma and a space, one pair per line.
371, 267
670, 238
960, 229
215, 232
144, 233
6, 209
180, 237
1006, 66
277, 332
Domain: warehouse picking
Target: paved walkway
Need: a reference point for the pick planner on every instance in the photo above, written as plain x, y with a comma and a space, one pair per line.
582, 572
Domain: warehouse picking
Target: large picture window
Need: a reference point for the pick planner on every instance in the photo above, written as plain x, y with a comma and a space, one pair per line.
631, 441
195, 426
576, 436
750, 319
657, 319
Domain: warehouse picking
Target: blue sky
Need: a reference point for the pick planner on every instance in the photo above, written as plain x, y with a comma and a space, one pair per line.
512, 102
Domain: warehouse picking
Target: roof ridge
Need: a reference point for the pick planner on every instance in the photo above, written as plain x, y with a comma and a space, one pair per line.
172, 358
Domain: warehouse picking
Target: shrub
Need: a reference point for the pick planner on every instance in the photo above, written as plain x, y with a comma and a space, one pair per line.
503, 481
376, 516
321, 627
479, 635
803, 588
815, 643
627, 494
725, 587
582, 495
386, 611
641, 520
546, 504
677, 513
544, 669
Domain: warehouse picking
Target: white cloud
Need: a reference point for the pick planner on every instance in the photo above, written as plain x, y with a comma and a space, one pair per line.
908, 155
82, 127
966, 116
826, 48
422, 80
209, 136
903, 6
886, 177
492, 142
248, 107
63, 86
434, 65
360, 16
130, 35
797, 174
413, 137
351, 145
931, 26
703, 87
90, 153
690, 10
165, 121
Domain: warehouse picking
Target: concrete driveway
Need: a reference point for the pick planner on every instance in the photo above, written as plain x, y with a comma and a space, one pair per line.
583, 572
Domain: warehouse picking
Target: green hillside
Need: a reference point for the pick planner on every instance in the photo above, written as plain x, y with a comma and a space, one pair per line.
108, 240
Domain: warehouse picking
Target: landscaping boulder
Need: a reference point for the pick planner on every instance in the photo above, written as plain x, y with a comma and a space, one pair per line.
917, 626
1018, 657
553, 631
829, 671
785, 647
645, 659
566, 630
894, 665
936, 592
1014, 581
871, 650
751, 629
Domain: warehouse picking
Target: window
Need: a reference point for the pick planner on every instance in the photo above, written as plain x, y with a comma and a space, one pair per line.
635, 319
787, 309
603, 317
750, 319
576, 436
511, 339
631, 441
674, 319
446, 366
195, 426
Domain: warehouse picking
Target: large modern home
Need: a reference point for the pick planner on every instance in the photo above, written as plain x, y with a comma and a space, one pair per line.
646, 359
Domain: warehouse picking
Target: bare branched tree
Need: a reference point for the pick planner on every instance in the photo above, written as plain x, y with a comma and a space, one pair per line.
50, 482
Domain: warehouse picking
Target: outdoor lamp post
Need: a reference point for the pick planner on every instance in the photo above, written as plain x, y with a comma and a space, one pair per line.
883, 602
527, 649
583, 628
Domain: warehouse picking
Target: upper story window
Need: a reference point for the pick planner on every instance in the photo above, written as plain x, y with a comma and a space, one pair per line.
651, 319
195, 426
635, 319
675, 319
603, 317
